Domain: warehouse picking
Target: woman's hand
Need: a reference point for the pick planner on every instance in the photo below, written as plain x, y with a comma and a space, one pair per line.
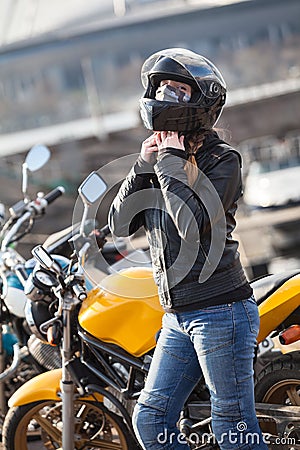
166, 139
149, 149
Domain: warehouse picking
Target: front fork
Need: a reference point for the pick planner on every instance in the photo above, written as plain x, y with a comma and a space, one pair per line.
3, 406
66, 384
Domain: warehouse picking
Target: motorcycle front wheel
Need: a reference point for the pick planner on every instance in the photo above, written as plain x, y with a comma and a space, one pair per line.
38, 426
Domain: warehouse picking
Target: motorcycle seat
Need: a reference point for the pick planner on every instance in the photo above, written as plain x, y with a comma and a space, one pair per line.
267, 285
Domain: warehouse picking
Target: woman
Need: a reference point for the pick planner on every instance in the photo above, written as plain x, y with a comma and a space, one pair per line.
183, 189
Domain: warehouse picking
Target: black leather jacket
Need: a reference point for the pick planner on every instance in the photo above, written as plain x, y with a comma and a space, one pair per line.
189, 229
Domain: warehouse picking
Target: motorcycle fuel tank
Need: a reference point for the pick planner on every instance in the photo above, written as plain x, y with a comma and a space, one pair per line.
124, 310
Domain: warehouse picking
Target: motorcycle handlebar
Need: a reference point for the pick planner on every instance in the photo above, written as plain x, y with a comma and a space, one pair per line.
27, 210
79, 291
53, 195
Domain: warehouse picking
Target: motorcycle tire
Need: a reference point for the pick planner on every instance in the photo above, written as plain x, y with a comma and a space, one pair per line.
38, 426
279, 383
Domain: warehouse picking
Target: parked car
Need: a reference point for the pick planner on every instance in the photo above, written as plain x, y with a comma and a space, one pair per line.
273, 183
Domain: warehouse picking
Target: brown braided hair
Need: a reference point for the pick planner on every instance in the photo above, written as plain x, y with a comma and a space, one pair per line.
193, 141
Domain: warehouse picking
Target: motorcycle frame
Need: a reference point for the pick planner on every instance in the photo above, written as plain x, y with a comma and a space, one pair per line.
98, 348
108, 377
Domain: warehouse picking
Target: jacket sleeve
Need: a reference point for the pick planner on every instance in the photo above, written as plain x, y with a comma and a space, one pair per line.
126, 214
196, 209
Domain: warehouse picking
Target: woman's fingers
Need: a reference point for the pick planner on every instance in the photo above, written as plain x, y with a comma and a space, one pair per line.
158, 138
169, 139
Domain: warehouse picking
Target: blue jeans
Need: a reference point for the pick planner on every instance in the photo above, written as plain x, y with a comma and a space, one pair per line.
219, 343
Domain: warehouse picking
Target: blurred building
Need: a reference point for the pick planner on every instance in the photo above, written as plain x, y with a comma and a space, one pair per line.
76, 67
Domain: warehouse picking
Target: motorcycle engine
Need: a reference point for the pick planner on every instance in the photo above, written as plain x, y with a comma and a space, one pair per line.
46, 355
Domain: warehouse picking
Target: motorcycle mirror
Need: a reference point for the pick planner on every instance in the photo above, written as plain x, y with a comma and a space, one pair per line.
92, 188
44, 258
37, 157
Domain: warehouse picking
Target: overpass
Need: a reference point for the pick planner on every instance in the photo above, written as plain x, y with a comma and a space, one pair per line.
269, 109
253, 112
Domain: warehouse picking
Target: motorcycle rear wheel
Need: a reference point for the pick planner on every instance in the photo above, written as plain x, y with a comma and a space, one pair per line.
279, 383
38, 426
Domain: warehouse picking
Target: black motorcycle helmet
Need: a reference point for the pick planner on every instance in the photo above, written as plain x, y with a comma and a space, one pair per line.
208, 92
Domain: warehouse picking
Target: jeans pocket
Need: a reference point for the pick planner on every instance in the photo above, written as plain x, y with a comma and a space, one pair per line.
211, 329
251, 309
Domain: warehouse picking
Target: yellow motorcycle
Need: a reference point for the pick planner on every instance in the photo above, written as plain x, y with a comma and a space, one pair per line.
107, 337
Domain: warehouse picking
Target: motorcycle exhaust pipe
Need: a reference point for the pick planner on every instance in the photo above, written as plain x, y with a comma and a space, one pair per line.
290, 335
